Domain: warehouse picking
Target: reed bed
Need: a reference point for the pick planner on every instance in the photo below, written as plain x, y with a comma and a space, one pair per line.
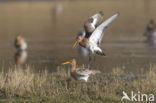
26, 86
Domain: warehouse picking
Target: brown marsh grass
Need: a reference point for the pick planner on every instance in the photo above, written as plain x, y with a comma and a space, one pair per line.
27, 86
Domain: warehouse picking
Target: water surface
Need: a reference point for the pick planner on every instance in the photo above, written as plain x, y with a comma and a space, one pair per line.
50, 29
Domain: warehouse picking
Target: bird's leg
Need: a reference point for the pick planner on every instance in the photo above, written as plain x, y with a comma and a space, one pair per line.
82, 86
90, 59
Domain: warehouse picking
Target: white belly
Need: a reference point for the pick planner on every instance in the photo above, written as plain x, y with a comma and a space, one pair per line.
24, 46
83, 51
83, 78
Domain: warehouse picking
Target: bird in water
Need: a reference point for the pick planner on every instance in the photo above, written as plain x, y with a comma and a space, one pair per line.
20, 43
21, 53
91, 37
81, 74
151, 32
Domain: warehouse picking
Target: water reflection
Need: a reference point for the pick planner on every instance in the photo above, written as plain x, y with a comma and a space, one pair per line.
20, 57
49, 45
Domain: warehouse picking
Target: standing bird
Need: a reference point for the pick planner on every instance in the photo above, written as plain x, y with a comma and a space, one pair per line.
92, 42
151, 32
81, 74
21, 53
20, 57
20, 43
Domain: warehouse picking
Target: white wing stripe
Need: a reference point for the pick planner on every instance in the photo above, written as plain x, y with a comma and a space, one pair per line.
99, 31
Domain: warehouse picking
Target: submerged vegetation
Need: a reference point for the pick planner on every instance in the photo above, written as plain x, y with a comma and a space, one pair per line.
27, 86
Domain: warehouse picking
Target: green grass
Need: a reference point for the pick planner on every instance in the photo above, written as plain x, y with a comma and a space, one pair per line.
25, 86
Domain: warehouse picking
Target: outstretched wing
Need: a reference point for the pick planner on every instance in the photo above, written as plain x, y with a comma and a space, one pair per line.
97, 35
98, 51
97, 18
91, 24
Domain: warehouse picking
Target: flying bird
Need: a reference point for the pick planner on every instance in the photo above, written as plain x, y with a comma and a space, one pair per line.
89, 26
92, 42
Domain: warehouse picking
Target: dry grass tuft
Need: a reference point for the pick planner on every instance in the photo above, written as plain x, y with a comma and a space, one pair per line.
21, 83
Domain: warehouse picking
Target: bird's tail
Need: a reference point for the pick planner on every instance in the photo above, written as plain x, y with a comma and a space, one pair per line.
95, 72
100, 53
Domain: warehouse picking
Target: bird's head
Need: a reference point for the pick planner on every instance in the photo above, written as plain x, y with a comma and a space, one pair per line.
73, 64
19, 37
78, 40
152, 21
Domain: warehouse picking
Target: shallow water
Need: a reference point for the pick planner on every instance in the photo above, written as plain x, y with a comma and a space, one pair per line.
50, 29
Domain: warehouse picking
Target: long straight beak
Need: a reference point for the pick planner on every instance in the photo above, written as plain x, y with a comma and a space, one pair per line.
75, 44
66, 63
